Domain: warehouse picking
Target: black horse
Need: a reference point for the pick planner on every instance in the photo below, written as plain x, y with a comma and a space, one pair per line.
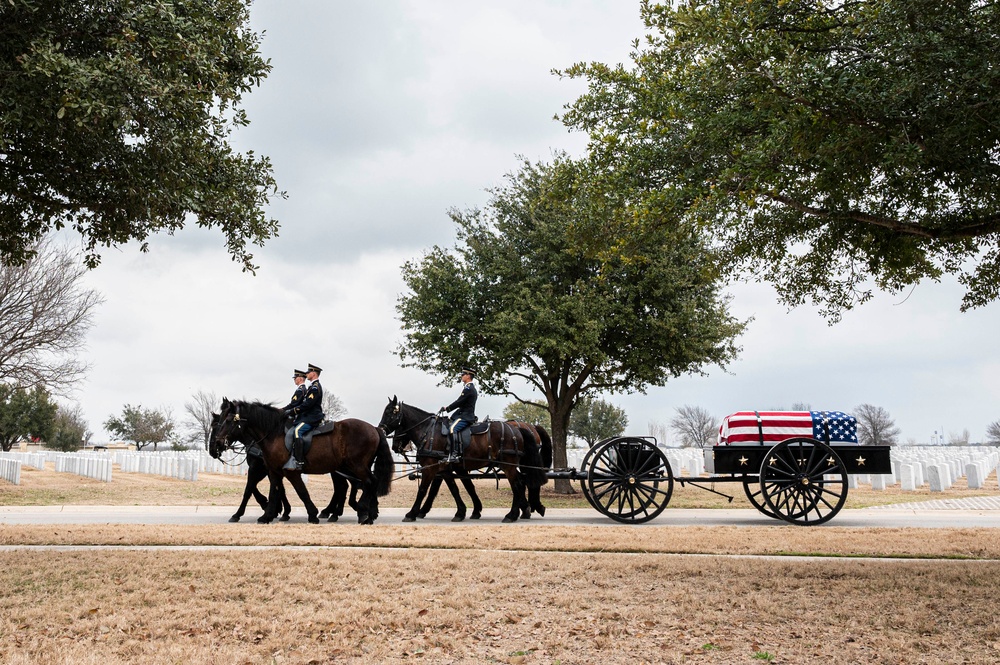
530, 432
500, 445
351, 449
256, 472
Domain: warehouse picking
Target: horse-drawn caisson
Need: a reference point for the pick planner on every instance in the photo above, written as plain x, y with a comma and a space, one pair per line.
793, 465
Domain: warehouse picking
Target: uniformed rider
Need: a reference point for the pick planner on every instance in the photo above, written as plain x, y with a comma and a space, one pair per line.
465, 414
299, 377
305, 415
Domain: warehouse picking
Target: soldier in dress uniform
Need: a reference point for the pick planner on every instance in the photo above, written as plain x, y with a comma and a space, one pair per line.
464, 416
306, 415
299, 377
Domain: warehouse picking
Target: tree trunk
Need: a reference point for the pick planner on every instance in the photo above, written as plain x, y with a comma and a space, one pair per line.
560, 427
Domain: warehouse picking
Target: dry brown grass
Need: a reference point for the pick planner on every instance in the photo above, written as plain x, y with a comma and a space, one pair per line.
399, 605
525, 593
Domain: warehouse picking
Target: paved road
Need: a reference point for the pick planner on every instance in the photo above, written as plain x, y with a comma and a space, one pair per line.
952, 513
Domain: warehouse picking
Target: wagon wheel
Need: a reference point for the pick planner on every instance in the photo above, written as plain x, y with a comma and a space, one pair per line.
751, 485
629, 480
803, 481
584, 465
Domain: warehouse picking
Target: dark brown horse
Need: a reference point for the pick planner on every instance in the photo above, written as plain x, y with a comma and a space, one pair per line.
529, 432
350, 449
500, 445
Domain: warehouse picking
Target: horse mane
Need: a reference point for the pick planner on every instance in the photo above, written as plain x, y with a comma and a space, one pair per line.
266, 416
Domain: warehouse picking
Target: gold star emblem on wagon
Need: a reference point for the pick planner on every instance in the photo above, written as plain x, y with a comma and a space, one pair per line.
830, 461
743, 461
773, 461
861, 461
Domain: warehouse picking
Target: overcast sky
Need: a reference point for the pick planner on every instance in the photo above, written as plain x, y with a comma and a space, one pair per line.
379, 118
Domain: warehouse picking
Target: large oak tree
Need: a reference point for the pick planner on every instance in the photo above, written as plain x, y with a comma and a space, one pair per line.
519, 298
833, 147
115, 117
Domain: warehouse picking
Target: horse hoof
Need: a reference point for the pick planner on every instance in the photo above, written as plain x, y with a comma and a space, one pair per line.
263, 520
525, 516
458, 518
409, 519
475, 516
421, 516
324, 514
331, 518
313, 519
234, 518
509, 520
540, 510
285, 518
363, 518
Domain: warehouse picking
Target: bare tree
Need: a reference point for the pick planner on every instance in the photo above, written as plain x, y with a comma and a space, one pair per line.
45, 313
658, 431
993, 433
694, 426
333, 406
959, 439
199, 421
875, 426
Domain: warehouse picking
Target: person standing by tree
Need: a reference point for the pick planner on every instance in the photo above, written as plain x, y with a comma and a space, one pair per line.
465, 414
307, 415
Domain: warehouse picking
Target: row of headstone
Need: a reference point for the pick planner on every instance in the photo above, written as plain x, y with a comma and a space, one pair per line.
182, 467
10, 469
88, 466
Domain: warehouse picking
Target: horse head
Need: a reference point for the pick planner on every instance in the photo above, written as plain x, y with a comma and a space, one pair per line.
227, 428
391, 416
213, 447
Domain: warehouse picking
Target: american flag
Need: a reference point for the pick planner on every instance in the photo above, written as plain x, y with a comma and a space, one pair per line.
768, 427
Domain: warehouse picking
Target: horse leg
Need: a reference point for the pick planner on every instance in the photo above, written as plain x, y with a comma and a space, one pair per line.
274, 498
425, 481
535, 500
256, 472
312, 513
432, 493
286, 508
470, 488
518, 498
459, 504
353, 501
335, 508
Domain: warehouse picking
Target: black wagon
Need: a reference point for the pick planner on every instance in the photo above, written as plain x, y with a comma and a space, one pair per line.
793, 466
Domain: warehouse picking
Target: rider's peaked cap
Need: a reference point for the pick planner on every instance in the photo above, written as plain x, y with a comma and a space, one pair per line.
300, 373
470, 372
313, 368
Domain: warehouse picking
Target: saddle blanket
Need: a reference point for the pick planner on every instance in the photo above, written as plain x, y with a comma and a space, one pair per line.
770, 427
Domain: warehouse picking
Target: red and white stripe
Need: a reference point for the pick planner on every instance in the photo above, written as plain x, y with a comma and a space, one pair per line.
775, 426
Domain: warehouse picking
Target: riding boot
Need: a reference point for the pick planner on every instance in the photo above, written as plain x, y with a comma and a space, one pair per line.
450, 457
295, 461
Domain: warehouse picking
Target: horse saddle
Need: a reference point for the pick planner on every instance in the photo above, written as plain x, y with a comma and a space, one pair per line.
465, 436
307, 438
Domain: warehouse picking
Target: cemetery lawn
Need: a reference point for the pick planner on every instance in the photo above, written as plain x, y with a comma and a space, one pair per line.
485, 593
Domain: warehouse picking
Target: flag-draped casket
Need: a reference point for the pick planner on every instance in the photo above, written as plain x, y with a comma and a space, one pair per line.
746, 436
771, 427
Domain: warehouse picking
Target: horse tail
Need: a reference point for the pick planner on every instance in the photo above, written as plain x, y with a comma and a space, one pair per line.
546, 446
385, 467
531, 461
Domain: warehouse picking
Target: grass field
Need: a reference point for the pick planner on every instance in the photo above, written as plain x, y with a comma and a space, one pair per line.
484, 593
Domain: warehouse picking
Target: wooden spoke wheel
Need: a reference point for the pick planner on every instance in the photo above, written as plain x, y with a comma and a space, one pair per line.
751, 485
628, 479
803, 481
